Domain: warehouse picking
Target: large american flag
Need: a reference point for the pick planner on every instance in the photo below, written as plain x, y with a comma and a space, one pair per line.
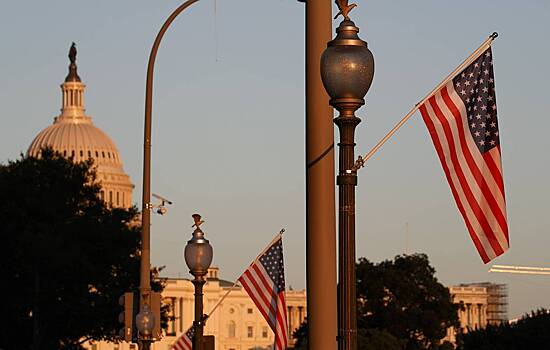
185, 341
462, 120
264, 281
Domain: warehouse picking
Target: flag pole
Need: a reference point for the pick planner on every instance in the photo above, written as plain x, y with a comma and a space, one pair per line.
360, 162
237, 281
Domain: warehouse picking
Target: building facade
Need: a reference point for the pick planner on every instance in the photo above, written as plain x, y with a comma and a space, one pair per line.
482, 304
236, 323
74, 135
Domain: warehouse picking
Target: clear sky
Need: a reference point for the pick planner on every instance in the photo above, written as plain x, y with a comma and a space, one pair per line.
228, 120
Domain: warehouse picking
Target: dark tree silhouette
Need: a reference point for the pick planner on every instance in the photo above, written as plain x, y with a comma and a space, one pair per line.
400, 305
66, 257
530, 332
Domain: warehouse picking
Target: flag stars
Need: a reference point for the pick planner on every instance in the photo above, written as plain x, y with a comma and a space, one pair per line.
475, 87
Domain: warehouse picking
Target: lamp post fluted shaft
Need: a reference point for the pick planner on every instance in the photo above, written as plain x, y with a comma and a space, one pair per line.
347, 70
198, 323
347, 313
145, 265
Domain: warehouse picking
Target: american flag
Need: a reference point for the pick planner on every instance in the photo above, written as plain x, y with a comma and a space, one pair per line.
264, 281
185, 341
462, 120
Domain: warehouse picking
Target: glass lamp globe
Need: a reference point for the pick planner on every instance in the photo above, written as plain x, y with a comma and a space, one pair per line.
145, 321
198, 254
347, 65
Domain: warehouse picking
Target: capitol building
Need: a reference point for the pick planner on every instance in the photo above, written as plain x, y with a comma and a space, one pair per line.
74, 135
237, 324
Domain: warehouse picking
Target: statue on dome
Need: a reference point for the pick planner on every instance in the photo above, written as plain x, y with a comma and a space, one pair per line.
72, 53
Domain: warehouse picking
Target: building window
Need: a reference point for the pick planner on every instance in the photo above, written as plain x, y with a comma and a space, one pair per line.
81, 153
117, 198
72, 153
103, 154
111, 197
96, 154
264, 332
102, 195
249, 310
64, 153
250, 331
231, 329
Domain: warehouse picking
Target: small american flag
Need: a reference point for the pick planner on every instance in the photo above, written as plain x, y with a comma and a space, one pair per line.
185, 341
264, 281
462, 120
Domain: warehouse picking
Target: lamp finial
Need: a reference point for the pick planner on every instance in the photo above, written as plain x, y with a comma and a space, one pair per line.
198, 220
344, 8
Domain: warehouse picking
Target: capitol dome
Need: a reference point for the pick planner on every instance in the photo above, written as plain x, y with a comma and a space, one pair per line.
73, 134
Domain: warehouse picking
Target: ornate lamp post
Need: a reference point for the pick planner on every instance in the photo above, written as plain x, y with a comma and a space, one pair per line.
198, 256
347, 69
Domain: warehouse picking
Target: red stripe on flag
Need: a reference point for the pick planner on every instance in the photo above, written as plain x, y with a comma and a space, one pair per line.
496, 170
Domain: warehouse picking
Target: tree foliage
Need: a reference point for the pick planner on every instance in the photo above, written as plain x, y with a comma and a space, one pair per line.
400, 305
530, 332
67, 256
404, 297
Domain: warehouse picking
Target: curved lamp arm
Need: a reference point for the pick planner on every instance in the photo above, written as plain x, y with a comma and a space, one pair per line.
145, 279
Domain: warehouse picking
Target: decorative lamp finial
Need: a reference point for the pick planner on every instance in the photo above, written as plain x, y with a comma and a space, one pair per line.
198, 221
344, 8
73, 75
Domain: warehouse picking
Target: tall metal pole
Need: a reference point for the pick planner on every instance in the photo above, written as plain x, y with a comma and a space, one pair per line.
320, 207
145, 265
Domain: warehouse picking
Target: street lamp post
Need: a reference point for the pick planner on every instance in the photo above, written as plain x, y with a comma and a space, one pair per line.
347, 70
198, 256
146, 337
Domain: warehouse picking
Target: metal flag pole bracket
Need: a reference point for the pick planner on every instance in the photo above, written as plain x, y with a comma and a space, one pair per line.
361, 160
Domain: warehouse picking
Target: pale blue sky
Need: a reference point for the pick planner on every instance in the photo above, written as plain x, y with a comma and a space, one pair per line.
229, 121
